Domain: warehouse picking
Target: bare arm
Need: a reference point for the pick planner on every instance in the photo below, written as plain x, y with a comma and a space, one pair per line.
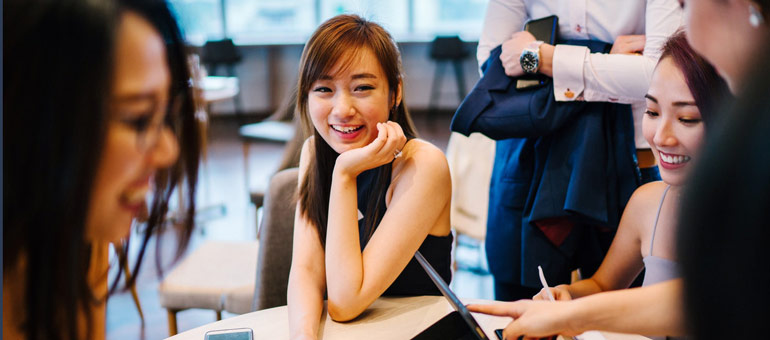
623, 261
307, 282
421, 192
651, 310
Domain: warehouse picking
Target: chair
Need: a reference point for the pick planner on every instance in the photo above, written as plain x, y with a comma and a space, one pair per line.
274, 258
443, 50
216, 53
206, 276
470, 161
277, 128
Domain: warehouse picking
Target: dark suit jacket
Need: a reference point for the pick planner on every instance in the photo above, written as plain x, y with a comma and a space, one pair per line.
552, 159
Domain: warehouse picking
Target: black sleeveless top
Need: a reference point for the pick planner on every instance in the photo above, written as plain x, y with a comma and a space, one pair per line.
437, 250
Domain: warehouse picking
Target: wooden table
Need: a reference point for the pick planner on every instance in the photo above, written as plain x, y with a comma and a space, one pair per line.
387, 318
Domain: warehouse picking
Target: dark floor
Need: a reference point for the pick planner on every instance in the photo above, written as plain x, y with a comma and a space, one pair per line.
223, 184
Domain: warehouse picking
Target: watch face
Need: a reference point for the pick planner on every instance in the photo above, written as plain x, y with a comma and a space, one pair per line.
528, 62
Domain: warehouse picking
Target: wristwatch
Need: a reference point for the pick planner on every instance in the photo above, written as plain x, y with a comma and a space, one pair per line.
530, 57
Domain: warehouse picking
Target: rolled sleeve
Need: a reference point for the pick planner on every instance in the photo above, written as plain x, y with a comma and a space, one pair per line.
568, 76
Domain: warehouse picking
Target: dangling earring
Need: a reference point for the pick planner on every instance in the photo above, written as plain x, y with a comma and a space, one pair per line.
755, 16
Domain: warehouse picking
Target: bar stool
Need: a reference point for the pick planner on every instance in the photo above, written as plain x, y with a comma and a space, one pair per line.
445, 50
216, 53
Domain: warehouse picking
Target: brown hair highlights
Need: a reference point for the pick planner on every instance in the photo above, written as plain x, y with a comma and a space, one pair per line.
705, 84
341, 38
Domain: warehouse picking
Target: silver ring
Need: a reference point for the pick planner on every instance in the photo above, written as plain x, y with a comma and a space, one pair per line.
397, 154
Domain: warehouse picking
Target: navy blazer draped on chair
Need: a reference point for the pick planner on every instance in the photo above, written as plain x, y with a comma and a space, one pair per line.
552, 159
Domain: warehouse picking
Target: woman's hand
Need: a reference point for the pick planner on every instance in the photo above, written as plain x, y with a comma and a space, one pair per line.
531, 319
560, 293
511, 52
389, 143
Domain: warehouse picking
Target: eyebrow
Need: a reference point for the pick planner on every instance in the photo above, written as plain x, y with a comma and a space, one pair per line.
355, 76
679, 103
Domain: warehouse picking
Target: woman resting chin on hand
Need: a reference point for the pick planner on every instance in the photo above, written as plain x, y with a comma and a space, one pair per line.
370, 193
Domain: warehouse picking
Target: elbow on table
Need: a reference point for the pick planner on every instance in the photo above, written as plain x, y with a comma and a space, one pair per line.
342, 312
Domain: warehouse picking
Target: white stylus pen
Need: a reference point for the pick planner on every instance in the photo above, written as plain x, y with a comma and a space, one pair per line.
548, 292
545, 284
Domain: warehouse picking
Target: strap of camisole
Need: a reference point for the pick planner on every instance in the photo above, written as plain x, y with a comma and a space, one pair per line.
657, 215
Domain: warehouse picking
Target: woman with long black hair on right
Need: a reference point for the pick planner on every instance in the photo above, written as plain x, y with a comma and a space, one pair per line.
681, 112
724, 233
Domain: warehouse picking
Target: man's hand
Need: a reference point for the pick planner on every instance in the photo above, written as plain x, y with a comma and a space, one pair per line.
512, 52
628, 44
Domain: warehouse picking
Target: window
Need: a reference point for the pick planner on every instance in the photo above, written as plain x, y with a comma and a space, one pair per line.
201, 20
449, 17
392, 14
292, 21
270, 20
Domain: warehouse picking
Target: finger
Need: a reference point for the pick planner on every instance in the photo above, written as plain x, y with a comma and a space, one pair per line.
529, 36
377, 144
499, 309
636, 43
512, 331
400, 137
386, 151
513, 70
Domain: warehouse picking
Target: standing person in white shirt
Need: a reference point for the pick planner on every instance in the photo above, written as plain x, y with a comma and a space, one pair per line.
638, 30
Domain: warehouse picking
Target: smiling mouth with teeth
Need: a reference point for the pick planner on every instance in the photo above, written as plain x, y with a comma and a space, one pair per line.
674, 159
346, 129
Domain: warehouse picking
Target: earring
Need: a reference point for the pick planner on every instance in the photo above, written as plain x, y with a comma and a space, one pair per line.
755, 17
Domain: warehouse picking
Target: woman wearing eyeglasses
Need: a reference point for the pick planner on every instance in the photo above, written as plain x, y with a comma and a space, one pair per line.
98, 128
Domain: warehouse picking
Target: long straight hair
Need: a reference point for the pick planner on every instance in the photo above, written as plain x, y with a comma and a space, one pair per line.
339, 39
58, 84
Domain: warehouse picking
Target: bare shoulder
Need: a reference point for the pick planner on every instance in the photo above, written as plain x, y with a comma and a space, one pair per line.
422, 167
423, 157
649, 193
644, 202
423, 151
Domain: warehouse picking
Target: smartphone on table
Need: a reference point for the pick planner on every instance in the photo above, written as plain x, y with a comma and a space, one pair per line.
230, 334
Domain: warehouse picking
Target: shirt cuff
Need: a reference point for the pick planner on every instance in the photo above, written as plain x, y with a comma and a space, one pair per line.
568, 82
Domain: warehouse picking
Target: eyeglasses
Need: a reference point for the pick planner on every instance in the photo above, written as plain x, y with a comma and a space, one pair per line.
150, 126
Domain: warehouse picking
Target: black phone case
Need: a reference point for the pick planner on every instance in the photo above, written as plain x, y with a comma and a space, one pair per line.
545, 29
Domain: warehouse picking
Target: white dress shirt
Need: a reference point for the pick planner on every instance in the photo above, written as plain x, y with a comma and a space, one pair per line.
579, 74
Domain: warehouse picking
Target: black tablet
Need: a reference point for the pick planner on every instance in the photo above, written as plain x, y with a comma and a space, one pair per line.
459, 324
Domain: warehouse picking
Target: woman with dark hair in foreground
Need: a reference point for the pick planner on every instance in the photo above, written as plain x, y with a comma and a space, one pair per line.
99, 117
724, 231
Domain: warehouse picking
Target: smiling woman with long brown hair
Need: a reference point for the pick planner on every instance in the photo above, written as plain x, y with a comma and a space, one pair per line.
370, 194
